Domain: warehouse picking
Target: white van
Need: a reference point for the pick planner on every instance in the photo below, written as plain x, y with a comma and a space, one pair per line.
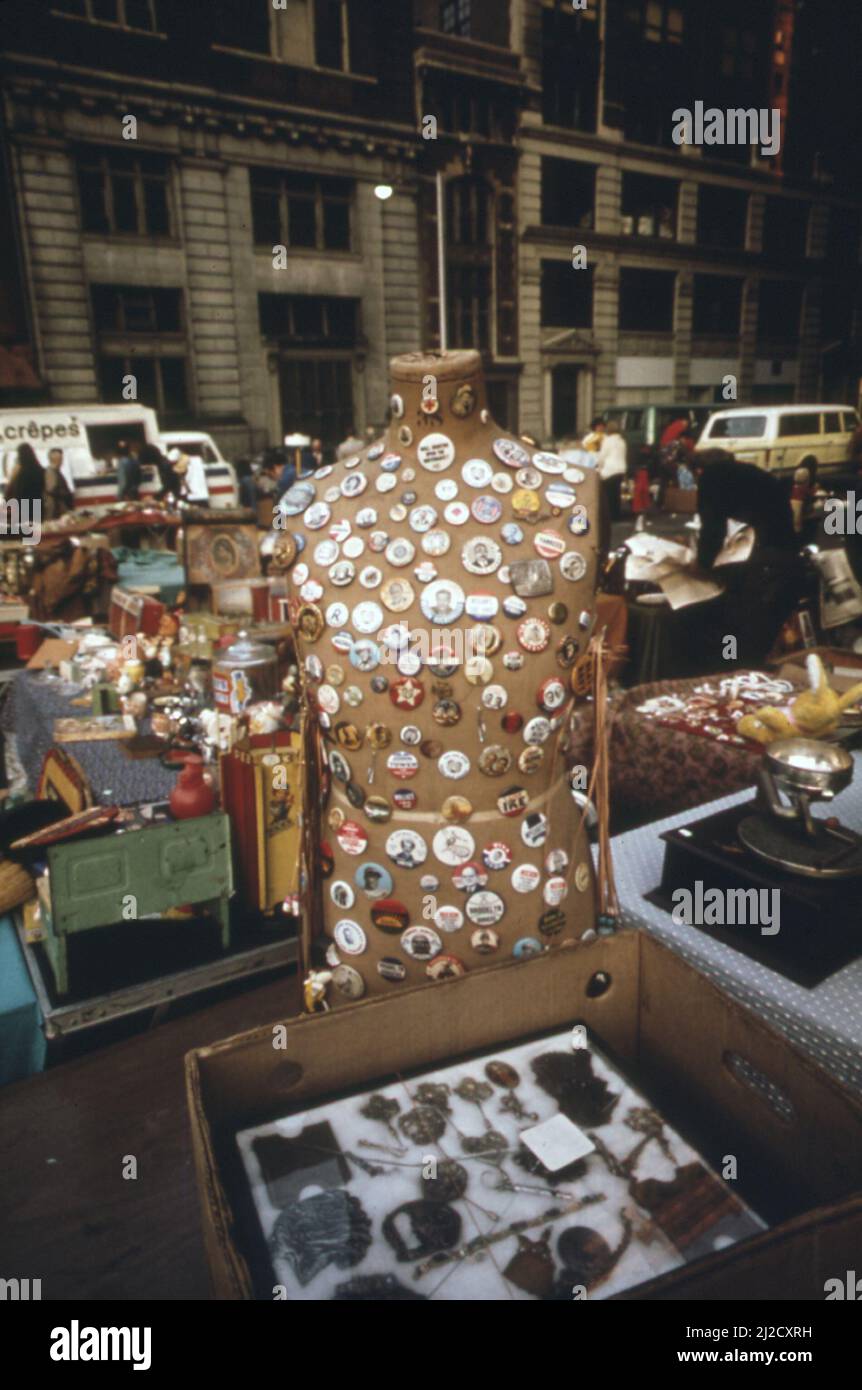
221, 475
89, 435
779, 438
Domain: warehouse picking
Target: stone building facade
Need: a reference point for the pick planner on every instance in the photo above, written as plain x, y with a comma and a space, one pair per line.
228, 246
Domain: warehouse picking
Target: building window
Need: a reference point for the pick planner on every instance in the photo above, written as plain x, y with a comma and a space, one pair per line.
717, 304
722, 215
843, 234
161, 381
738, 49
466, 108
567, 296
127, 309
646, 300
124, 193
469, 217
568, 193
129, 14
301, 211
649, 206
570, 68
779, 309
316, 320
455, 17
317, 397
657, 20
243, 26
785, 227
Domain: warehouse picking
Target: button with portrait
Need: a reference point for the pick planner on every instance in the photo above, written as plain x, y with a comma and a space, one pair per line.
421, 943
406, 848
348, 982
349, 937
453, 845
481, 555
442, 602
485, 941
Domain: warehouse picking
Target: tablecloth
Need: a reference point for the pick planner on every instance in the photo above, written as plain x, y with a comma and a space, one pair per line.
34, 700
824, 1021
22, 1042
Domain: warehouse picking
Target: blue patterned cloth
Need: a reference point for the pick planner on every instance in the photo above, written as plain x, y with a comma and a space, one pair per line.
824, 1021
35, 699
22, 1042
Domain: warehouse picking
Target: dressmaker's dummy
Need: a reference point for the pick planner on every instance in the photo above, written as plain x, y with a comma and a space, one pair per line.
448, 839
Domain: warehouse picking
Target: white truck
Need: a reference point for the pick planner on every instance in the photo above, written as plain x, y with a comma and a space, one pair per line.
91, 437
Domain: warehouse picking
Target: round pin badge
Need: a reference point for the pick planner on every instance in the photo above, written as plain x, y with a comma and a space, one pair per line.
445, 967
453, 764
456, 513
555, 891
378, 810
495, 697
494, 760
485, 941
552, 694
311, 591
374, 880
446, 712
426, 573
353, 484
406, 848
456, 809
326, 553
342, 894
348, 982
352, 838
446, 490
349, 937
298, 498
573, 566
409, 663
366, 517
342, 573
390, 915
525, 878
436, 543
526, 947
385, 482
365, 655
537, 730
469, 877
453, 845
512, 533
476, 473
481, 555
497, 855
513, 801
436, 452
397, 594
388, 968
533, 633
370, 577
353, 547
478, 670
442, 602
402, 765
560, 495
552, 921
390, 463
529, 478
486, 509
511, 453
579, 522
329, 699
556, 860
512, 722
316, 516
406, 693
404, 799
549, 544
396, 406
485, 908
530, 759
502, 482
421, 519
421, 943
378, 541
411, 734
400, 552
367, 617
534, 829
582, 877
448, 918
482, 606
549, 463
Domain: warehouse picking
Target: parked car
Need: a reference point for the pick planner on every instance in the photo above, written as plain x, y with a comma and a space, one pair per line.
644, 425
221, 475
781, 437
89, 436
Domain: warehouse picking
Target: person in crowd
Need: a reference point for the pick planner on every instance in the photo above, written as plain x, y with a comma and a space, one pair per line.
592, 440
192, 474
676, 448
316, 453
169, 483
298, 462
762, 591
27, 480
349, 446
611, 465
58, 496
129, 472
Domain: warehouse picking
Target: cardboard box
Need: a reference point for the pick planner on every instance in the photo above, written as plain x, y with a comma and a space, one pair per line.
675, 1034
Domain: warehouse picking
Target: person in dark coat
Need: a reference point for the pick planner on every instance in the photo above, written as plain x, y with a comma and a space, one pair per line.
27, 482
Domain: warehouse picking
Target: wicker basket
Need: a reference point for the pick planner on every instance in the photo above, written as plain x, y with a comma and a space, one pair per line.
16, 885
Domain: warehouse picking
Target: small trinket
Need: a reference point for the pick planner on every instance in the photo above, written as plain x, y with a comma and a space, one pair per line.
327, 1228
431, 1227
531, 1268
423, 1125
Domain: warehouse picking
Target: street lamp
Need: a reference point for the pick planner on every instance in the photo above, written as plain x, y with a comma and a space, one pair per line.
384, 192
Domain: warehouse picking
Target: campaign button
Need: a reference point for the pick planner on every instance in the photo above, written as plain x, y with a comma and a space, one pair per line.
485, 941
448, 918
468, 877
388, 968
534, 829
555, 890
445, 967
406, 848
436, 452
525, 878
348, 982
402, 765
390, 915
422, 943
404, 800
349, 937
352, 838
513, 801
485, 908
497, 855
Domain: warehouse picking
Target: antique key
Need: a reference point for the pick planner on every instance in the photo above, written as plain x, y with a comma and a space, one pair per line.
378, 737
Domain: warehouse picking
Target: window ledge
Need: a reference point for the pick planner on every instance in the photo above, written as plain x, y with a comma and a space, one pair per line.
286, 62
307, 253
136, 239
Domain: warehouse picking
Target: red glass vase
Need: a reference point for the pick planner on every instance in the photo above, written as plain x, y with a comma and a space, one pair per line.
193, 793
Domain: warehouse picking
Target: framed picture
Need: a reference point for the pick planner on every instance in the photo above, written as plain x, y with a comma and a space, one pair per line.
217, 554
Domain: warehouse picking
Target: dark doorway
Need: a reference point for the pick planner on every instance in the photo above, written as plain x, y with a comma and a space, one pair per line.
317, 397
564, 400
